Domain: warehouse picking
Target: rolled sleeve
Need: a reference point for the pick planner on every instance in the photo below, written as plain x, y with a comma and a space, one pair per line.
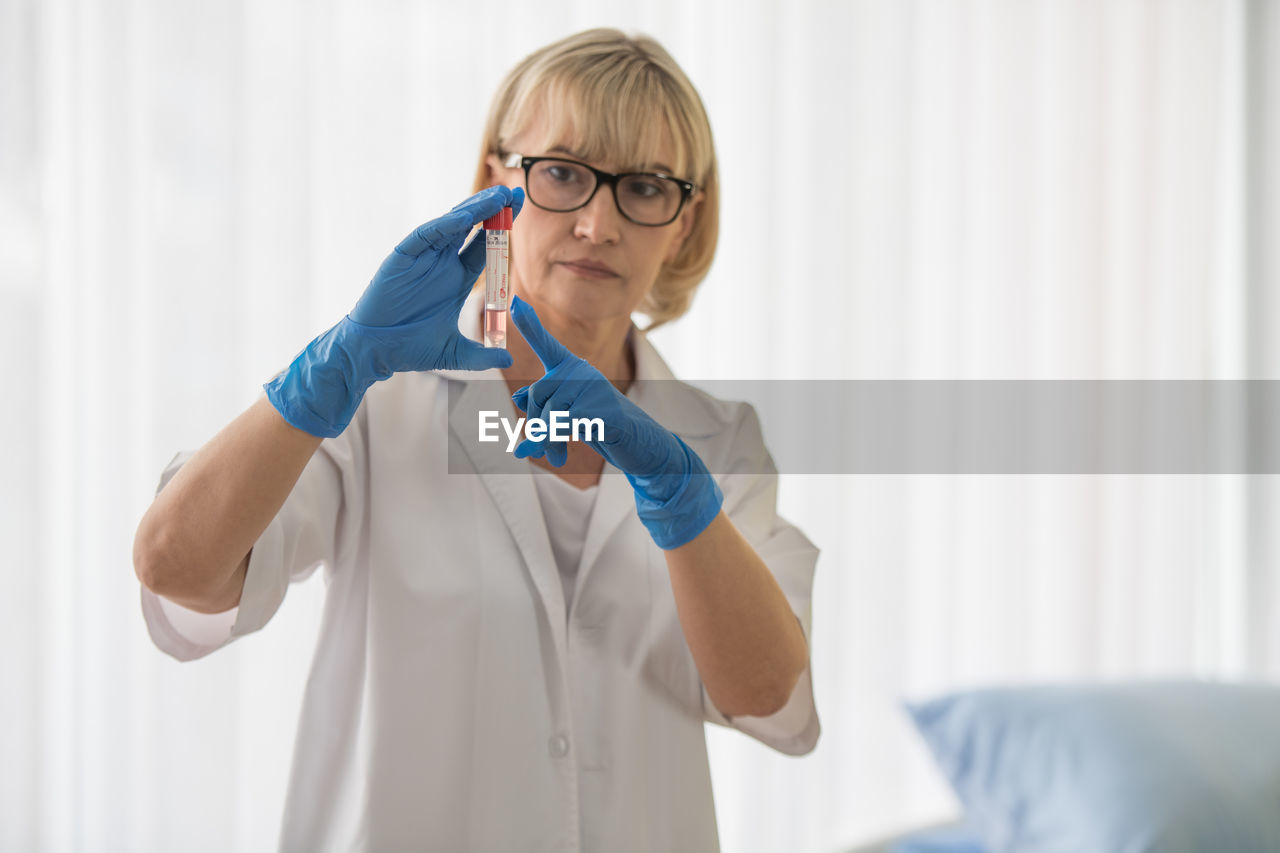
751, 502
313, 525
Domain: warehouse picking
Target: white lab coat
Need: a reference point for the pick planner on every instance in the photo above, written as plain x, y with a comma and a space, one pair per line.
452, 703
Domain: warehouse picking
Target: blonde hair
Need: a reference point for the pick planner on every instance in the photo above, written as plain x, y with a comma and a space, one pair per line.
637, 97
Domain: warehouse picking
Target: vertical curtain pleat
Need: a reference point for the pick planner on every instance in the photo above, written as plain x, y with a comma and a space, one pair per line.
1262, 272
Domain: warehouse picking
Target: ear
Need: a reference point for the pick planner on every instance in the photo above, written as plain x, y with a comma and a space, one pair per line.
688, 216
492, 169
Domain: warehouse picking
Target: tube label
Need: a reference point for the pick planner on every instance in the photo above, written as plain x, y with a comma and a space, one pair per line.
497, 243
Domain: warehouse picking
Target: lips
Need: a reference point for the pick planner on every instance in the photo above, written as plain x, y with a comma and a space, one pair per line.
589, 268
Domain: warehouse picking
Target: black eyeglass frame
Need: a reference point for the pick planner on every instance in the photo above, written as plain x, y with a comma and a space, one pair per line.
687, 188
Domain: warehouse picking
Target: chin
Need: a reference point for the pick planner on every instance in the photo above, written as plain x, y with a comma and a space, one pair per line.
571, 291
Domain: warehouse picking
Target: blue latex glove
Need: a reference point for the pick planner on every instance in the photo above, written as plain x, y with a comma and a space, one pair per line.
407, 319
675, 496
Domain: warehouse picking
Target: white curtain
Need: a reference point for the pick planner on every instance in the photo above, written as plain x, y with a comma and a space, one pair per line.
962, 190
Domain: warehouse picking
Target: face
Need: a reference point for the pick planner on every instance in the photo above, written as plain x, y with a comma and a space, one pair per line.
591, 264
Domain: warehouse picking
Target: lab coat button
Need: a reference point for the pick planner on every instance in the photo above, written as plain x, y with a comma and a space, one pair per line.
558, 746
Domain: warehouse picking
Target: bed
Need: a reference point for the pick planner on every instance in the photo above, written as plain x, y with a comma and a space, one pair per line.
1150, 767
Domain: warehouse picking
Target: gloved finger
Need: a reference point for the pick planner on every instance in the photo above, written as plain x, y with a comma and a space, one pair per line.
521, 398
517, 201
473, 355
460, 297
561, 400
451, 227
485, 203
473, 257
557, 453
532, 408
541, 392
433, 235
549, 351
531, 449
567, 398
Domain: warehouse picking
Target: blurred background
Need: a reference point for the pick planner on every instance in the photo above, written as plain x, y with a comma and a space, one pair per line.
989, 189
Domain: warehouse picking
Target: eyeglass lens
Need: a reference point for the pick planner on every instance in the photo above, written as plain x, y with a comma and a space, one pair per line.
562, 186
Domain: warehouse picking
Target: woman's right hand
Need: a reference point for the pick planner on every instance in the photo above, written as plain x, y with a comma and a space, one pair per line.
407, 319
411, 306
193, 544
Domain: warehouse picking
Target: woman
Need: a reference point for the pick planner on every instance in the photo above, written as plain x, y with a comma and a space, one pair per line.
512, 662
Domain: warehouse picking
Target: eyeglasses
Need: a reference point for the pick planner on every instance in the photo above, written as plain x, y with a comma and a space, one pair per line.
559, 185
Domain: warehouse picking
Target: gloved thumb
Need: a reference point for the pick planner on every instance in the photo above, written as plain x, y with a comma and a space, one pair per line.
472, 355
521, 398
530, 449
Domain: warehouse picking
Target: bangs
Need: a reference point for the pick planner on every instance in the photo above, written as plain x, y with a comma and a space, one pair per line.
634, 116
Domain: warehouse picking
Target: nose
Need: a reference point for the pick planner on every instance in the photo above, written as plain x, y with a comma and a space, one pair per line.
599, 221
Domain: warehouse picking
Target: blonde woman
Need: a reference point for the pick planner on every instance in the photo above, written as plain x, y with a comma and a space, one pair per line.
512, 662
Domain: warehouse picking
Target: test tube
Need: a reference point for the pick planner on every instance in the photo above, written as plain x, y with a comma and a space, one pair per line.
497, 241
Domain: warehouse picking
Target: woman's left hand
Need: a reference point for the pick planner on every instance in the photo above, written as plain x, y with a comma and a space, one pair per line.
675, 496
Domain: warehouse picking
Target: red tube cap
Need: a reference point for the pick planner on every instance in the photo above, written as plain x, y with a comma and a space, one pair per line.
499, 222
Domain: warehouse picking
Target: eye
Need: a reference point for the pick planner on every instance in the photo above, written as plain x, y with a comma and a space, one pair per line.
562, 173
649, 187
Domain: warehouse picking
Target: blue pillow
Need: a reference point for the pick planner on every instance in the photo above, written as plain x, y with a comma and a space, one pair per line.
1167, 767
